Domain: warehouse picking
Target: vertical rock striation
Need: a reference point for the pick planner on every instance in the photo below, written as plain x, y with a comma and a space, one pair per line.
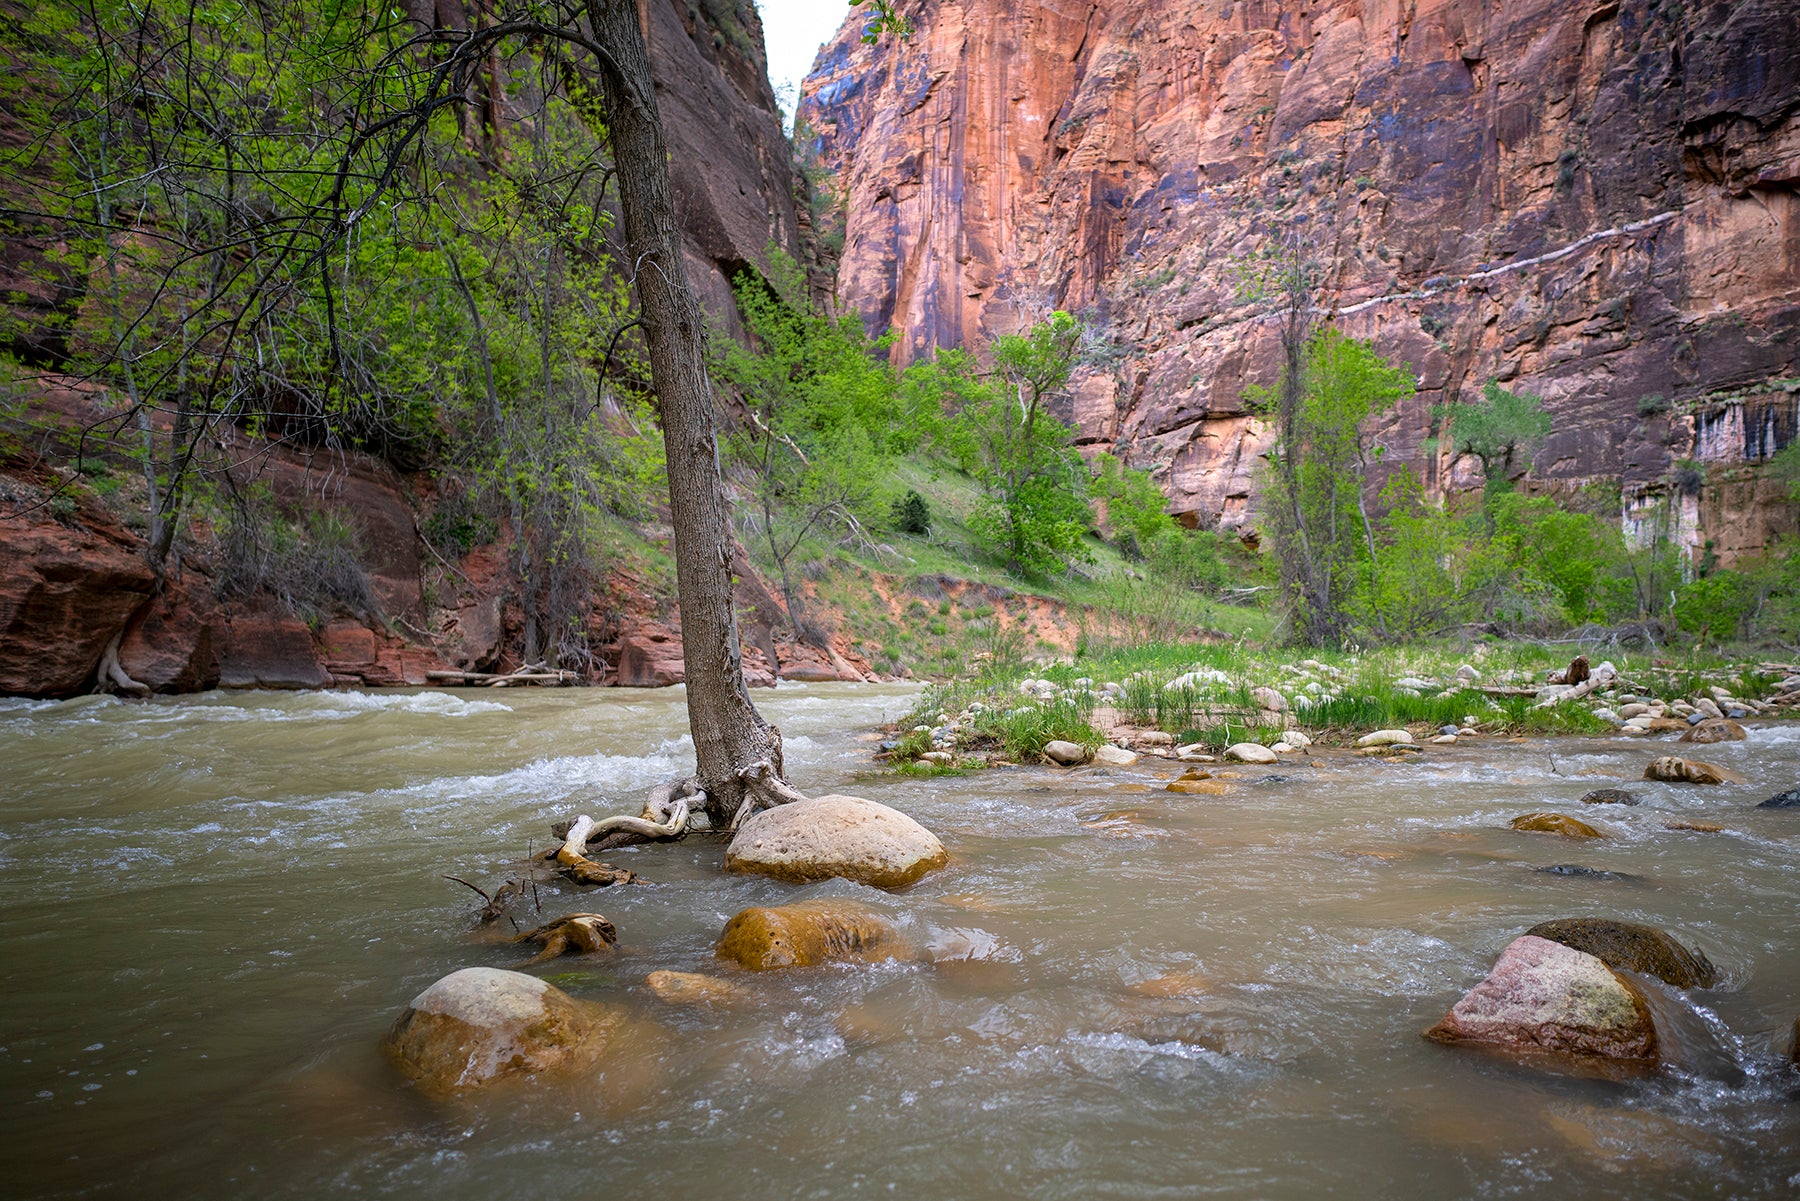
1598, 202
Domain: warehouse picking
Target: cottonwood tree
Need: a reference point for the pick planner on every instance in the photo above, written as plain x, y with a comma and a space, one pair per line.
1497, 428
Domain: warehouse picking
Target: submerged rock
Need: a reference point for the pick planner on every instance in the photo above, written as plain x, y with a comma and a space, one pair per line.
481, 1023
835, 836
1585, 873
1197, 782
1715, 730
1608, 796
1689, 771
1555, 823
1695, 826
808, 933
1542, 996
1783, 800
1249, 752
694, 988
1626, 946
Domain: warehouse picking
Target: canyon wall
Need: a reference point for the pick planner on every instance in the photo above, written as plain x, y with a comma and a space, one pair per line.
1597, 201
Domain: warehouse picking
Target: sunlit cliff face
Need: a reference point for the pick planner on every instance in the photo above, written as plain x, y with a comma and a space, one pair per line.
1594, 203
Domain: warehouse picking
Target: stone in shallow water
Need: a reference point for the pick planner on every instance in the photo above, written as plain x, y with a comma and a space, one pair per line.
1608, 796
1249, 752
481, 1023
1783, 800
1113, 756
1542, 996
1585, 873
808, 933
1069, 754
694, 988
1715, 730
1555, 823
1384, 738
830, 836
1629, 947
1673, 770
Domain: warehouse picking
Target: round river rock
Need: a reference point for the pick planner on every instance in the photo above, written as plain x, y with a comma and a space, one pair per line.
809, 932
834, 835
481, 1023
1627, 946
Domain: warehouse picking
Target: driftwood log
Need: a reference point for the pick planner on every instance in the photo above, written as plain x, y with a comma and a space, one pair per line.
572, 863
573, 933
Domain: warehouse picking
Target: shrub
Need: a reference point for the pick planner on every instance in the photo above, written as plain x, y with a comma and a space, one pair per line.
911, 515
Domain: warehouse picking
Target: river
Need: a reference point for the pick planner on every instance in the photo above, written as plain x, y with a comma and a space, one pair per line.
212, 907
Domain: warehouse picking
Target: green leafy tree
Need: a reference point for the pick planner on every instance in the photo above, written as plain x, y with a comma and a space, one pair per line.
1319, 523
999, 428
820, 419
1498, 428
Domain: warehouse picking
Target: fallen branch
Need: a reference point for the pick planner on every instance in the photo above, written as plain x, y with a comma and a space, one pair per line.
496, 904
582, 933
577, 868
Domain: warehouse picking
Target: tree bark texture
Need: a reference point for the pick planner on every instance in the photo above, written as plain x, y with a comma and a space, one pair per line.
729, 734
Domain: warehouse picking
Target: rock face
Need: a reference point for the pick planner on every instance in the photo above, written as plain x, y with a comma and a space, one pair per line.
1545, 997
834, 835
481, 1024
1596, 203
65, 593
1632, 948
809, 933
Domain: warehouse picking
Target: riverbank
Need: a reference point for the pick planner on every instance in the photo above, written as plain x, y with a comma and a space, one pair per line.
1195, 703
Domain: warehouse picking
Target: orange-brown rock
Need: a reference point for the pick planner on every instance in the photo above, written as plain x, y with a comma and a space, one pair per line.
173, 643
66, 590
1716, 729
1555, 823
694, 988
1596, 203
808, 933
1689, 771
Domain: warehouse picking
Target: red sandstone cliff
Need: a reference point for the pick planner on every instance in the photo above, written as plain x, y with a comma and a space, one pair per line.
1596, 201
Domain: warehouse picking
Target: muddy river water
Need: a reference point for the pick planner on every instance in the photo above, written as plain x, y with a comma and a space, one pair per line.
211, 908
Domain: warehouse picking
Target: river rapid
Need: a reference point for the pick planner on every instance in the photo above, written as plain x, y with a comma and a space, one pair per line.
211, 908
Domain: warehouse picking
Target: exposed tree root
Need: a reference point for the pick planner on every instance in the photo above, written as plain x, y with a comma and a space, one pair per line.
763, 789
111, 671
573, 933
576, 867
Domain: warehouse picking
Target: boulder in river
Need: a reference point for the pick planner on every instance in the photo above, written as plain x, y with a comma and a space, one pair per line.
1717, 729
1783, 800
1555, 823
830, 836
1544, 997
1672, 770
1249, 752
1628, 947
1385, 738
1608, 796
1068, 754
481, 1023
810, 932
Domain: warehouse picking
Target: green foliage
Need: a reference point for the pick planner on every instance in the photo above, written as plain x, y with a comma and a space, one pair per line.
1785, 468
1494, 429
1713, 607
1318, 524
309, 562
910, 514
998, 428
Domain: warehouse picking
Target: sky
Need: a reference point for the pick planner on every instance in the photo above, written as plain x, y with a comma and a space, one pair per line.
794, 30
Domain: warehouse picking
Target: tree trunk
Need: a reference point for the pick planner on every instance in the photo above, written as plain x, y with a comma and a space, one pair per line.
729, 734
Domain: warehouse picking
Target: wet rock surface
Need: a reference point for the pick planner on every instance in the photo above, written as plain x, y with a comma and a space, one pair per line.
1555, 823
1718, 729
1608, 796
1542, 996
1783, 800
1631, 947
835, 835
1673, 770
480, 1024
808, 933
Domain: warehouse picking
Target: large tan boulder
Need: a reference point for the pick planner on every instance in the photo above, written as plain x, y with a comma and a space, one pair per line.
808, 933
480, 1024
1542, 996
830, 836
